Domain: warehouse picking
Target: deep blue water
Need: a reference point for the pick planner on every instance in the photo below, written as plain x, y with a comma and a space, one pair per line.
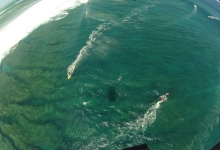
122, 56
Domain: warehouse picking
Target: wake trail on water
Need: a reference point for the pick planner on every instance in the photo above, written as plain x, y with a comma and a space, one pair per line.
132, 129
214, 18
89, 43
41, 13
127, 131
193, 12
82, 52
150, 116
195, 8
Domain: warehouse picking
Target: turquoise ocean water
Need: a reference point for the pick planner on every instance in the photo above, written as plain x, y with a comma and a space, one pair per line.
122, 56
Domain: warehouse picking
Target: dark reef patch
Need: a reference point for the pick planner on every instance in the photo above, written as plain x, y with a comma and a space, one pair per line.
112, 94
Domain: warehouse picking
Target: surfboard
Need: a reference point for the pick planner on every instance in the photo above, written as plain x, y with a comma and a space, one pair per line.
68, 76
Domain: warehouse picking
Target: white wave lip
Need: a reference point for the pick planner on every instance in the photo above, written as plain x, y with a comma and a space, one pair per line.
195, 8
193, 12
41, 13
83, 1
214, 18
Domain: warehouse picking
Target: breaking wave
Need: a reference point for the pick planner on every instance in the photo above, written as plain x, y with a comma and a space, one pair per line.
62, 15
195, 8
41, 13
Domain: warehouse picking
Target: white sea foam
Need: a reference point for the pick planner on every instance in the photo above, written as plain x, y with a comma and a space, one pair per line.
195, 8
149, 116
62, 15
41, 13
132, 129
98, 19
214, 18
193, 12
88, 45
83, 1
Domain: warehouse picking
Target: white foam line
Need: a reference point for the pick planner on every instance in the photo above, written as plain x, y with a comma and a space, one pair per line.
214, 18
23, 25
10, 6
62, 15
150, 116
5, 10
193, 13
195, 8
92, 38
133, 129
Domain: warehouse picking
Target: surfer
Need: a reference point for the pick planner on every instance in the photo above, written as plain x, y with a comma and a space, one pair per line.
68, 75
164, 97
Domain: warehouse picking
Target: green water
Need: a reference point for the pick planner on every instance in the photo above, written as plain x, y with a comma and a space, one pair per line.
131, 53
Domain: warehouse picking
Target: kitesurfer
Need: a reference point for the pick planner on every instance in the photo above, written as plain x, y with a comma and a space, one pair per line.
164, 97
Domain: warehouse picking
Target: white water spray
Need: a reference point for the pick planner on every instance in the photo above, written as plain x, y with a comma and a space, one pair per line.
214, 18
82, 52
41, 13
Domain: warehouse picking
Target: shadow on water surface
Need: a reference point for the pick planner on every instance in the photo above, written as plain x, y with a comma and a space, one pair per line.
112, 94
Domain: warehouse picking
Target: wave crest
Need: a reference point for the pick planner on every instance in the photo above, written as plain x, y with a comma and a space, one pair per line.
40, 13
